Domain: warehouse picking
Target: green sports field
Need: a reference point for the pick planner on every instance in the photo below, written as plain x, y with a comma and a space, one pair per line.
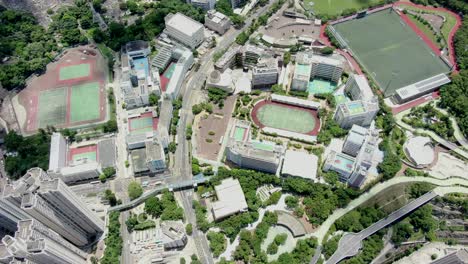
335, 7
85, 102
389, 50
74, 71
286, 118
52, 107
87, 155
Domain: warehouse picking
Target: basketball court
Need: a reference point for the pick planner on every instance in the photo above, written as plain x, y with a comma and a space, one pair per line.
318, 86
142, 124
80, 153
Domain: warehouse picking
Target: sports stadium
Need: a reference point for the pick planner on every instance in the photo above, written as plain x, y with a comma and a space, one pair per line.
391, 51
287, 116
71, 93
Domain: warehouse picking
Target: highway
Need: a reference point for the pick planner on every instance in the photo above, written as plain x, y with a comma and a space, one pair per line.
350, 244
191, 91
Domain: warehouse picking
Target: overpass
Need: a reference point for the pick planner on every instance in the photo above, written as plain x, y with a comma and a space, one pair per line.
171, 187
351, 243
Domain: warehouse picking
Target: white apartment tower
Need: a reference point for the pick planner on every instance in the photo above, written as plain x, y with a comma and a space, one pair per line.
265, 73
326, 68
184, 30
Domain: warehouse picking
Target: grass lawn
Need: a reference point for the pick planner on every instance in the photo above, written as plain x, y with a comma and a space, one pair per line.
450, 22
426, 29
335, 7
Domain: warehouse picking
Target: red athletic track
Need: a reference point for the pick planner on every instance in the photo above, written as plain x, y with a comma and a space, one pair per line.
75, 151
147, 114
416, 102
262, 103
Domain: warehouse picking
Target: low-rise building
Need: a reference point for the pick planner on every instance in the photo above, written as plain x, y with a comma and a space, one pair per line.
300, 164
420, 151
173, 235
231, 199
155, 157
251, 54
217, 22
301, 77
220, 80
265, 73
458, 257
184, 29
418, 89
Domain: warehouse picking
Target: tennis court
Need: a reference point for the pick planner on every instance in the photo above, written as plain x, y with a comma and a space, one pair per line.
142, 124
341, 98
390, 51
239, 133
169, 71
85, 102
52, 107
285, 117
74, 71
318, 86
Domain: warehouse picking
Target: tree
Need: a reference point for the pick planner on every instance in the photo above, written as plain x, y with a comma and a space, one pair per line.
272, 248
110, 126
102, 177
172, 147
217, 243
153, 207
110, 196
134, 190
109, 172
291, 201
189, 229
153, 99
327, 50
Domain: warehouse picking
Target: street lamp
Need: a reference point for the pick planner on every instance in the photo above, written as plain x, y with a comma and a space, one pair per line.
394, 73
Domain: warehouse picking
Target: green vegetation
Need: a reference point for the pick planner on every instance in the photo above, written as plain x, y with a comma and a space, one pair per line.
172, 147
217, 243
216, 95
134, 190
279, 240
427, 29
291, 201
359, 219
273, 199
224, 6
428, 117
198, 108
110, 196
139, 222
302, 253
391, 163
166, 208
331, 9
107, 173
189, 229
419, 221
26, 152
330, 129
200, 216
113, 240
330, 246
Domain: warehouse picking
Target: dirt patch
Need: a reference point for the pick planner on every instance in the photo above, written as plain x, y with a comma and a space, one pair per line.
212, 128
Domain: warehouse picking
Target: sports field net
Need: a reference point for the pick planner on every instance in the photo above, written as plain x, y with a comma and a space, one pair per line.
390, 51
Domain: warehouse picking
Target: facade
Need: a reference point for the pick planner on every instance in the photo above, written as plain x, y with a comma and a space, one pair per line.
251, 54
358, 88
217, 21
358, 157
184, 30
203, 4
228, 59
458, 257
326, 68
359, 112
39, 244
231, 199
173, 235
300, 164
255, 155
184, 58
137, 79
265, 73
40, 197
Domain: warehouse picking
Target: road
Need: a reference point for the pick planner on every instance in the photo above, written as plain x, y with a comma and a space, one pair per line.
350, 244
182, 163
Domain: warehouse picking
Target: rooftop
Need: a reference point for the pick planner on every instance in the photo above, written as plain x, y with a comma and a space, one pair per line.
231, 199
300, 164
184, 24
420, 150
365, 90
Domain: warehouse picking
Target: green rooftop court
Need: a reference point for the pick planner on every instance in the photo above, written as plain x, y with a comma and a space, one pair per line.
87, 155
318, 86
303, 69
263, 146
74, 71
239, 133
340, 99
390, 51
355, 107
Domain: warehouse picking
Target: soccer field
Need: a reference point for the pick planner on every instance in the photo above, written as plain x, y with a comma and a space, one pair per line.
286, 118
390, 51
335, 7
74, 71
85, 102
52, 107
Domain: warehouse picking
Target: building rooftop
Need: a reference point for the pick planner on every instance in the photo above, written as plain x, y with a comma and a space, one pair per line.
107, 152
302, 70
423, 86
154, 151
300, 164
216, 16
184, 24
136, 45
138, 157
231, 199
420, 150
326, 60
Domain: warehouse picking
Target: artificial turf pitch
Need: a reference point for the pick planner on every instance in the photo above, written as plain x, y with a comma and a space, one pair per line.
85, 102
74, 71
391, 52
286, 118
52, 107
